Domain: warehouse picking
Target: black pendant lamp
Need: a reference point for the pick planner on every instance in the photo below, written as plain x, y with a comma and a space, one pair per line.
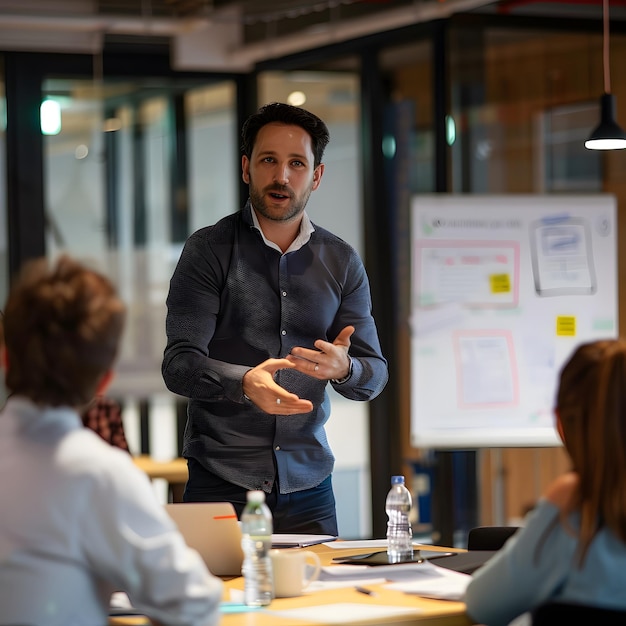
608, 135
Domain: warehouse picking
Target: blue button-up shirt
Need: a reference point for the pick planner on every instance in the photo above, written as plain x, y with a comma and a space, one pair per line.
235, 301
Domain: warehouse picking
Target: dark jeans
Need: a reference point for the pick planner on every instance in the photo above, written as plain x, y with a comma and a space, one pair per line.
311, 511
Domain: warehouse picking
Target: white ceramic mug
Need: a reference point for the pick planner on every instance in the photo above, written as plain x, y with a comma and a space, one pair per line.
291, 574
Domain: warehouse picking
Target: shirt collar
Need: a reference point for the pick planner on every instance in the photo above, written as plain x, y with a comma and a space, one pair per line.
31, 418
304, 234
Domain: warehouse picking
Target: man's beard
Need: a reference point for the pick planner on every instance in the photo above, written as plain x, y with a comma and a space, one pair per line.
293, 209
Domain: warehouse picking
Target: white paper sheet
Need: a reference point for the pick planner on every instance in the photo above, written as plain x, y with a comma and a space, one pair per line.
322, 585
396, 573
366, 543
286, 540
441, 583
342, 612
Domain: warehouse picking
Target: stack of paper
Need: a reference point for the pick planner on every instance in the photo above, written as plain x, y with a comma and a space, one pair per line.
286, 540
424, 579
439, 583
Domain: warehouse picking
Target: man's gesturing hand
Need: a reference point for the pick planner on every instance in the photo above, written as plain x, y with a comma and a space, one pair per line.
328, 361
261, 388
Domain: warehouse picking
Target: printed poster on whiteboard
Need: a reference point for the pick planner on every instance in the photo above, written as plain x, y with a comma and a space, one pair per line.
503, 288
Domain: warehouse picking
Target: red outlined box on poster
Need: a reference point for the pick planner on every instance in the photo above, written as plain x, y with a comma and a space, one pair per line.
454, 275
486, 369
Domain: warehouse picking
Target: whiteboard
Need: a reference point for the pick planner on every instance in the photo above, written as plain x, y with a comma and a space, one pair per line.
503, 288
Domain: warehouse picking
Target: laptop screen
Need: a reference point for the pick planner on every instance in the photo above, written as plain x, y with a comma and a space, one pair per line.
212, 529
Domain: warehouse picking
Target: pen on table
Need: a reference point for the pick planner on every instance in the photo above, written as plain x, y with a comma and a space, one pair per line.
367, 592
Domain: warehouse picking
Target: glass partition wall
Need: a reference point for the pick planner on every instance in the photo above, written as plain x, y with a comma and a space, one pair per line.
130, 169
524, 105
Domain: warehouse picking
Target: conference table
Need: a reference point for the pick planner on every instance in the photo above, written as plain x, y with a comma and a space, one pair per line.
344, 605
173, 471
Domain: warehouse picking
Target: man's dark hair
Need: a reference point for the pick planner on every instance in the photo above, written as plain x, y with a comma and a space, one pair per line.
280, 113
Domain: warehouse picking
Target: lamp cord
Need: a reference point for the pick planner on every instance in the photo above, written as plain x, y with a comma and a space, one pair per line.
605, 46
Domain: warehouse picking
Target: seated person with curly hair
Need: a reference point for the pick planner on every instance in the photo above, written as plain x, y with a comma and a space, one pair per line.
79, 521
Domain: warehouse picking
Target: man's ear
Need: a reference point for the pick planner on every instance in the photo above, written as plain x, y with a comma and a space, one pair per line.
317, 176
245, 169
104, 383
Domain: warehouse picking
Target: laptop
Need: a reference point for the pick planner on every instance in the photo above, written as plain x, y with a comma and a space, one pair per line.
212, 529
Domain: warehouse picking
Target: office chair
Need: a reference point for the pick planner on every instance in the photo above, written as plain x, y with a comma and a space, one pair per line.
489, 537
557, 613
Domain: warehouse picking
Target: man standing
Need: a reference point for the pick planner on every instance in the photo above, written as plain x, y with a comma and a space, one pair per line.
264, 309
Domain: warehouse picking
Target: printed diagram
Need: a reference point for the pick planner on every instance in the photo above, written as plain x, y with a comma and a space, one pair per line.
486, 370
562, 257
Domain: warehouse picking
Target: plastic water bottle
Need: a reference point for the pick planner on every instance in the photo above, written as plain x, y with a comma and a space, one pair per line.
256, 528
399, 534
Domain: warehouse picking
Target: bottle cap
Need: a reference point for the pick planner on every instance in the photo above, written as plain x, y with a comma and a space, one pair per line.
397, 480
255, 496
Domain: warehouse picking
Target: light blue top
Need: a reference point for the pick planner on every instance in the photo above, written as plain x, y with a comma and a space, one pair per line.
79, 521
539, 563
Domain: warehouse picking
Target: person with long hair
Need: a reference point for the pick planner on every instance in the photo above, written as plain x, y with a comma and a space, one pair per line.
572, 547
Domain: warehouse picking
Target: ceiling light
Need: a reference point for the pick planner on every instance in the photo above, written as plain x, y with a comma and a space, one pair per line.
607, 135
296, 98
50, 117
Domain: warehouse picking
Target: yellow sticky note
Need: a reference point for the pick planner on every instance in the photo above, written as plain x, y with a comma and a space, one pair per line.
500, 283
566, 326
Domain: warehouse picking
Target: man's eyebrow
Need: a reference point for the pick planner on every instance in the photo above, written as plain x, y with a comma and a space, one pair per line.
294, 155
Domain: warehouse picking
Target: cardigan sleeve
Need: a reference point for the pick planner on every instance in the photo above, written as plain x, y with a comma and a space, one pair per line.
527, 571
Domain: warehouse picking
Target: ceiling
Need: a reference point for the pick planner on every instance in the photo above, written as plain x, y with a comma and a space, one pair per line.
236, 34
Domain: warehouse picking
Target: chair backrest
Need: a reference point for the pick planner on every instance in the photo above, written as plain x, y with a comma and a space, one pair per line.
557, 613
489, 537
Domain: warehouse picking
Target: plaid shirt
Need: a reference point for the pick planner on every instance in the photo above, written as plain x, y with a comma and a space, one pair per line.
104, 416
